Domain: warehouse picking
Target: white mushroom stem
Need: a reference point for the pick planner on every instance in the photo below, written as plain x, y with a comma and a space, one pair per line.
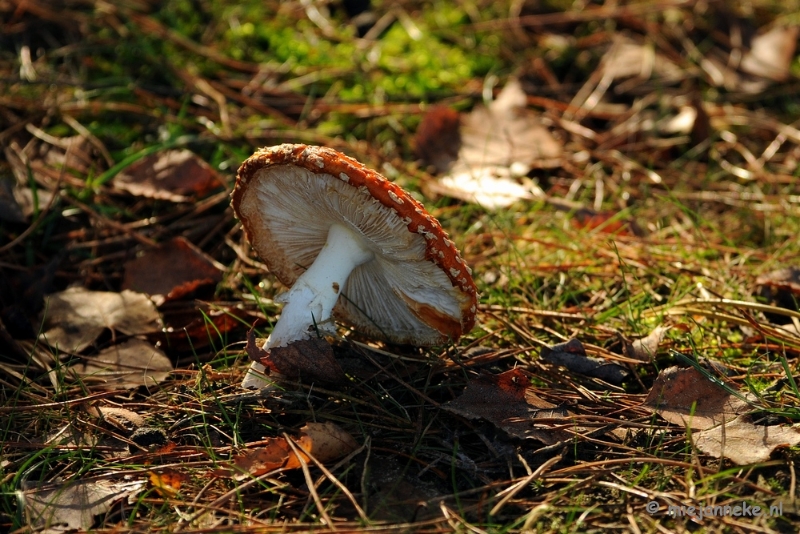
311, 299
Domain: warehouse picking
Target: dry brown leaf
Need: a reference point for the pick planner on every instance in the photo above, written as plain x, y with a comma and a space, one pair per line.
499, 144
73, 505
75, 317
171, 271
645, 349
572, 355
174, 175
308, 359
686, 397
127, 365
505, 401
742, 442
325, 441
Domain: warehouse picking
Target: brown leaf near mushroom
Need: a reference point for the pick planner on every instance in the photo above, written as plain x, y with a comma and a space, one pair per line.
495, 146
505, 401
723, 426
174, 175
352, 246
325, 441
171, 271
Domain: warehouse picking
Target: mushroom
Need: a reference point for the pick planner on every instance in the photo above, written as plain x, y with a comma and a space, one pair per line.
352, 246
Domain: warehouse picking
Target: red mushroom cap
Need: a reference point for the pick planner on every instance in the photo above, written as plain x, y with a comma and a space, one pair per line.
272, 183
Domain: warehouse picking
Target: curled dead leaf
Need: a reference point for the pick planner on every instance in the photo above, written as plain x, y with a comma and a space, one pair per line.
645, 349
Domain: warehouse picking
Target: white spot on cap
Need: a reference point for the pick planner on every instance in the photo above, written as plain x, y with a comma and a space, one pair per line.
454, 272
395, 198
343, 177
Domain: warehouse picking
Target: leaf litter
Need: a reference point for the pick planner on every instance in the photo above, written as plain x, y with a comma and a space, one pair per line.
723, 416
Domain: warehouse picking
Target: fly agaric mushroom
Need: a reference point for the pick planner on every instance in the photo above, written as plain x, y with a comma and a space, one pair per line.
353, 246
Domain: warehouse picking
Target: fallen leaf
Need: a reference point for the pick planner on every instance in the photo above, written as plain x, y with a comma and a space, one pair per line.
686, 397
629, 59
171, 271
505, 401
308, 359
174, 175
572, 355
645, 349
254, 463
73, 505
742, 442
325, 441
75, 317
167, 482
499, 144
126, 365
771, 53
490, 187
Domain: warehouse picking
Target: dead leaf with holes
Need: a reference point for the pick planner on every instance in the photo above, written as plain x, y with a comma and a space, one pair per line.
62, 506
74, 318
722, 423
499, 144
174, 175
171, 271
127, 365
325, 441
506, 401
